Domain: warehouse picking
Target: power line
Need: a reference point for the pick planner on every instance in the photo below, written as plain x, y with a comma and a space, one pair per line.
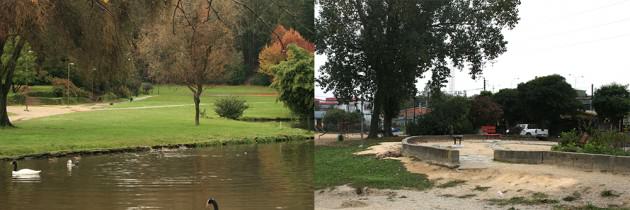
583, 28
586, 42
584, 11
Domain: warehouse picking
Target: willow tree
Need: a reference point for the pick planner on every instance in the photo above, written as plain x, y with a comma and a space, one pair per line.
192, 45
92, 33
17, 20
378, 49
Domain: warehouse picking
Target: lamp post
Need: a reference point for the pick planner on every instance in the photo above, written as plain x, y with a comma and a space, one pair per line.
68, 85
30, 52
93, 72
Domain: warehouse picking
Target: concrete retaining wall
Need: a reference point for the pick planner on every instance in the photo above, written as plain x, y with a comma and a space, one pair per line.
582, 161
439, 156
529, 157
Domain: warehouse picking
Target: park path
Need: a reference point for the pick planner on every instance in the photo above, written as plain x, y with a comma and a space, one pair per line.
19, 113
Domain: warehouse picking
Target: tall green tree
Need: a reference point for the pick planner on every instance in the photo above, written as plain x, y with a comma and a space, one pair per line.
509, 101
378, 49
612, 102
294, 81
546, 99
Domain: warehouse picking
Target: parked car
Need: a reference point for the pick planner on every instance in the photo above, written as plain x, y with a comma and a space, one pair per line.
529, 130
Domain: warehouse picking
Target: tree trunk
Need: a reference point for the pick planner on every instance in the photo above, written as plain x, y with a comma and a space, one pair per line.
376, 115
4, 115
6, 81
197, 98
197, 113
387, 124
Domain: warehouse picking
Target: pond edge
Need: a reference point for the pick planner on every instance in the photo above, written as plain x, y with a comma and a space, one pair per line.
225, 142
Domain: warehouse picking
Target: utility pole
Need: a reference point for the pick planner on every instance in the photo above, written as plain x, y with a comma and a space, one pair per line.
484, 84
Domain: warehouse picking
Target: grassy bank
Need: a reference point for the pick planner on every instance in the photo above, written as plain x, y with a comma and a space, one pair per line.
336, 165
141, 123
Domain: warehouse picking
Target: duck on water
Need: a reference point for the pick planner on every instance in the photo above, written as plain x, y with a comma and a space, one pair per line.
22, 172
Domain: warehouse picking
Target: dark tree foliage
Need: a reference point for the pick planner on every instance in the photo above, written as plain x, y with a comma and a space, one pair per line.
546, 99
449, 115
377, 49
484, 111
612, 102
509, 102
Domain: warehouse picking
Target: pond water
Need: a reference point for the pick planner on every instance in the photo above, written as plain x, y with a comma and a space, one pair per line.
264, 176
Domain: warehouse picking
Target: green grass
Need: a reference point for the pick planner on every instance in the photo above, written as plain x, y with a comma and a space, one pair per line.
119, 128
261, 100
586, 207
575, 196
609, 193
451, 183
336, 165
481, 188
535, 199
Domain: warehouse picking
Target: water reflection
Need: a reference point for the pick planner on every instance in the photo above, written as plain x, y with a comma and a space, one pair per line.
31, 178
270, 176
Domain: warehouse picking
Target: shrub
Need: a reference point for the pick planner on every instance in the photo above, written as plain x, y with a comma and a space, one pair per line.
569, 137
109, 96
337, 119
60, 85
146, 87
17, 98
610, 143
230, 107
123, 92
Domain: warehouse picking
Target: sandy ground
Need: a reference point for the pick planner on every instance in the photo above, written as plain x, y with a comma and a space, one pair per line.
505, 181
19, 113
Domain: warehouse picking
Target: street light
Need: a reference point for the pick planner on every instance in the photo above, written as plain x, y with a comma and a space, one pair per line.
68, 85
30, 52
93, 71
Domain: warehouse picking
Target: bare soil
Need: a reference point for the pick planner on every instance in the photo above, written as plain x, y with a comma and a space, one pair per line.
505, 180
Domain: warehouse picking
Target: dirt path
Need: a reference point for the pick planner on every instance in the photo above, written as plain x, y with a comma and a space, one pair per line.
503, 179
19, 113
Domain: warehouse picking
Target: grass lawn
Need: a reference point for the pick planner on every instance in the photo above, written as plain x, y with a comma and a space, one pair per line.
336, 165
118, 128
261, 100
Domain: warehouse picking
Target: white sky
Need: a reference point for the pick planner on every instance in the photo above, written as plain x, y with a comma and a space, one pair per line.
586, 41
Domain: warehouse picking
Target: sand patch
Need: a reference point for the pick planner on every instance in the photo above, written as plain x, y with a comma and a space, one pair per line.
499, 181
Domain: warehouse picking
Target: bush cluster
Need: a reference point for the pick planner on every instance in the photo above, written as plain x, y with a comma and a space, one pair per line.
230, 107
338, 120
601, 142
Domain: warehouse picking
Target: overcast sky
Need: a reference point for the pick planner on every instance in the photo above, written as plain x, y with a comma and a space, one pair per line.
586, 41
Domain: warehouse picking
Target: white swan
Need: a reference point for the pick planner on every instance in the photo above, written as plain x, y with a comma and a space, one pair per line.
23, 172
71, 164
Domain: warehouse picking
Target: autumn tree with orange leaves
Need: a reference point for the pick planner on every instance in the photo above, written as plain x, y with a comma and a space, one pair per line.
276, 51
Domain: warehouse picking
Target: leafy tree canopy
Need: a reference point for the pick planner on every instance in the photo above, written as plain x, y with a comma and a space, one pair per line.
546, 98
294, 81
378, 49
612, 102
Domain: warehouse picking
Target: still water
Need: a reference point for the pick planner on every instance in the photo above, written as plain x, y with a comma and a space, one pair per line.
264, 176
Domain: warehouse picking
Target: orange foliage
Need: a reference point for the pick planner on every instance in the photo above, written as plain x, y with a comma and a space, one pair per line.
275, 52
